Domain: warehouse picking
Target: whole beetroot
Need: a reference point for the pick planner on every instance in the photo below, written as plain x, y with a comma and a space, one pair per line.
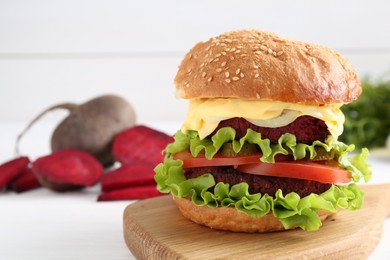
91, 126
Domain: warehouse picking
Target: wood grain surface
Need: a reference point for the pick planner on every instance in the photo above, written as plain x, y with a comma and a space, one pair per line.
155, 229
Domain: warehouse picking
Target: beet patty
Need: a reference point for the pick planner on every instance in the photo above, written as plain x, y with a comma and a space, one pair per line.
307, 129
259, 183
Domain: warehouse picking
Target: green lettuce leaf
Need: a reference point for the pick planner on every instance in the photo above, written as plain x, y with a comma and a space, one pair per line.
287, 144
290, 209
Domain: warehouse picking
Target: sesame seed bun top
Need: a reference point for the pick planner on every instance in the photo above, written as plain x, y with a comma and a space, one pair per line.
257, 65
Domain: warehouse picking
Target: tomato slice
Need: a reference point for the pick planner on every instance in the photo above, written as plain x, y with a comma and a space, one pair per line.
315, 171
320, 171
217, 160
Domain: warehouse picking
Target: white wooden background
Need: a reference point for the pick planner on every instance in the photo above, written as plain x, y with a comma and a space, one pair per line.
72, 50
55, 51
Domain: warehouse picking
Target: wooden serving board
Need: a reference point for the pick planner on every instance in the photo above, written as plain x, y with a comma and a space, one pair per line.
155, 229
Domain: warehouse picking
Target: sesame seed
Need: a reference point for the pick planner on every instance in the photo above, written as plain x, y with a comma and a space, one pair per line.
235, 78
258, 52
231, 57
209, 79
257, 75
228, 80
238, 71
280, 53
263, 48
255, 66
237, 51
232, 49
208, 48
242, 75
218, 70
223, 64
257, 96
227, 74
203, 74
215, 60
240, 47
274, 53
223, 53
270, 51
228, 40
189, 70
218, 55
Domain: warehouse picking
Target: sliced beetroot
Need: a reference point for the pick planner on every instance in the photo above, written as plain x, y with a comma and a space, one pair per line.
11, 169
140, 144
131, 193
136, 174
67, 170
25, 181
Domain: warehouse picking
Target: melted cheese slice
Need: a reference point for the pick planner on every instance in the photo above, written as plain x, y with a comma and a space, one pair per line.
204, 115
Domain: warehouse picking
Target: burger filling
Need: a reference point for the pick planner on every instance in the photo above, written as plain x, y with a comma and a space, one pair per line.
205, 115
291, 170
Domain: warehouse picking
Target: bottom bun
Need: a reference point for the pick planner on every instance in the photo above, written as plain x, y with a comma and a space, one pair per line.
231, 219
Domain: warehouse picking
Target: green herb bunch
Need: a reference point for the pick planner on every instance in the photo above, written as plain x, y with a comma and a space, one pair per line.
367, 120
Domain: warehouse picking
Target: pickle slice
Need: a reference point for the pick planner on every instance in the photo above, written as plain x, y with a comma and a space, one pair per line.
227, 149
322, 155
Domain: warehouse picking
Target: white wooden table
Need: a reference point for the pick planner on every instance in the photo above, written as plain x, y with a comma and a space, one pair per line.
42, 224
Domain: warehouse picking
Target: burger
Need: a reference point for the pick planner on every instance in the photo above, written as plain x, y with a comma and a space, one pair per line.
258, 149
